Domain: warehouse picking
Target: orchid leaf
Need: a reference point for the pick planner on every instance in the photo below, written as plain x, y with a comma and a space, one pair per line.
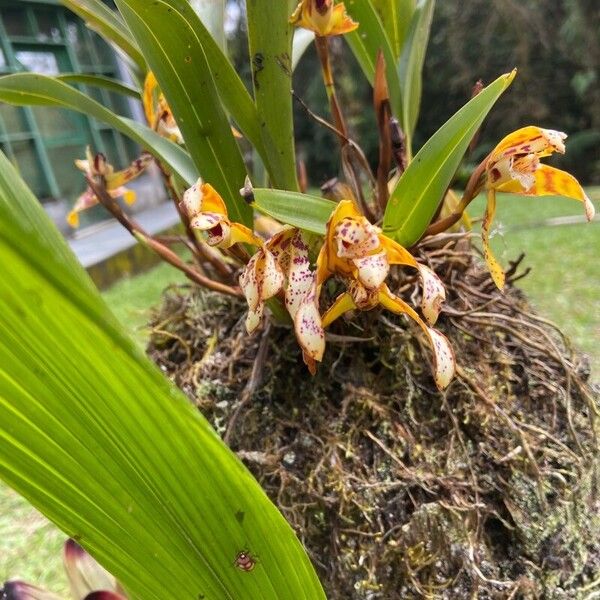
110, 26
176, 56
25, 89
411, 67
367, 41
395, 16
422, 187
310, 213
97, 439
270, 45
108, 83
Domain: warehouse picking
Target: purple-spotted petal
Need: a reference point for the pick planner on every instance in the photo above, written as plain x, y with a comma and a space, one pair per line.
355, 237
309, 328
372, 269
192, 199
434, 294
300, 279
105, 595
205, 220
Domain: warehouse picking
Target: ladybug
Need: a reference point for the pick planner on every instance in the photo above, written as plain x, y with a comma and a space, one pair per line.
244, 561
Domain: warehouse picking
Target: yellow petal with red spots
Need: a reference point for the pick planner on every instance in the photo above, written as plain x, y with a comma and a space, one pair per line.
322, 17
493, 265
529, 140
444, 365
553, 182
341, 22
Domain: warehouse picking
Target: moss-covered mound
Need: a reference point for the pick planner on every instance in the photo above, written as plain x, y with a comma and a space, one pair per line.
486, 491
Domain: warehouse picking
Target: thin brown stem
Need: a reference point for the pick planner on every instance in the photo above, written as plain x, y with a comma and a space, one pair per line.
163, 251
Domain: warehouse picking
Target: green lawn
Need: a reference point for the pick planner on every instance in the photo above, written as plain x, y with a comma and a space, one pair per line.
564, 285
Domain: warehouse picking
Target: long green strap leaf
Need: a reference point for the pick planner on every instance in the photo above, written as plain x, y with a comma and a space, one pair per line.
108, 83
270, 46
96, 438
310, 213
411, 67
367, 41
29, 89
110, 26
396, 16
175, 55
422, 186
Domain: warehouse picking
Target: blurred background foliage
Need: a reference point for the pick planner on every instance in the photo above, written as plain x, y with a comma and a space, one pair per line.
555, 44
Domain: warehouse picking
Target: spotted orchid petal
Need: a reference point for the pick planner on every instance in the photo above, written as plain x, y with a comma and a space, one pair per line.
19, 590
207, 213
85, 201
157, 111
549, 181
261, 279
328, 261
300, 279
444, 365
309, 329
104, 595
355, 237
494, 267
434, 292
322, 17
116, 179
84, 573
373, 269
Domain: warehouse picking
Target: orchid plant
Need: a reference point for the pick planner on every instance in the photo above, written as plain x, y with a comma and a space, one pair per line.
354, 249
254, 232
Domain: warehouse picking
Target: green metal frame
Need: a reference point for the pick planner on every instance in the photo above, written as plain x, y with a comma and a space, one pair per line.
92, 129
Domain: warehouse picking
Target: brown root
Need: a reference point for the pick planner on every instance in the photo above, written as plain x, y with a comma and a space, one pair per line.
488, 490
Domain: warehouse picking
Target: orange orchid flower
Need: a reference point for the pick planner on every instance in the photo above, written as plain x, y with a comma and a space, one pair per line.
114, 181
208, 215
514, 166
358, 251
323, 17
158, 112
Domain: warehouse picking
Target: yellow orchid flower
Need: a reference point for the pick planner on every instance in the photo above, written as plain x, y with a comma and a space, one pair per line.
158, 113
323, 17
282, 265
207, 213
514, 166
359, 252
113, 181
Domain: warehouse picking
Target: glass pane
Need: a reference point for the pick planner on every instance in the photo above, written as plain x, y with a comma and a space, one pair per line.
103, 50
56, 122
38, 61
69, 177
47, 25
15, 21
13, 119
2, 59
29, 167
76, 38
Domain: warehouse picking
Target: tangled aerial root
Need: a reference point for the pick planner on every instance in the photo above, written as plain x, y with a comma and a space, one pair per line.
488, 490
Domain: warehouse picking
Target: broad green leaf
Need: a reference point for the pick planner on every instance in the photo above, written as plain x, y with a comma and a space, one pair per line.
367, 41
94, 436
110, 26
310, 213
175, 55
26, 89
270, 47
113, 85
411, 67
421, 188
212, 15
396, 16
